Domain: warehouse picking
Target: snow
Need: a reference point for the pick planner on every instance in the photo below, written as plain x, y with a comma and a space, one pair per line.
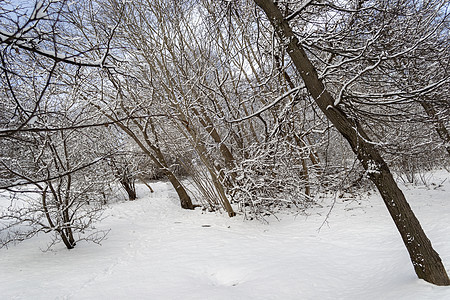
156, 250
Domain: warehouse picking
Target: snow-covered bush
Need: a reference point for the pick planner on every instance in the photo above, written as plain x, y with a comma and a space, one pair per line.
58, 183
274, 176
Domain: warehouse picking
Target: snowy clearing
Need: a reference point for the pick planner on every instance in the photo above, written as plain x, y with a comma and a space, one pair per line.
156, 250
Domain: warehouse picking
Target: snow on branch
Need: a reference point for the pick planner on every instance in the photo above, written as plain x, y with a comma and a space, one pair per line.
299, 10
347, 84
275, 102
402, 94
23, 39
28, 43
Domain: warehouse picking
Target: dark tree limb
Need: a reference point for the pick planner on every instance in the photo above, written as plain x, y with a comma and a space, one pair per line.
425, 259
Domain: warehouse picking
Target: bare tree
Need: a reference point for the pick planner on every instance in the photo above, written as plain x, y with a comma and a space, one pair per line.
203, 74
43, 63
426, 261
56, 191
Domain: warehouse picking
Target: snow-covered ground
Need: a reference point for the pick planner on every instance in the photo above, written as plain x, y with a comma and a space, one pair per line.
156, 250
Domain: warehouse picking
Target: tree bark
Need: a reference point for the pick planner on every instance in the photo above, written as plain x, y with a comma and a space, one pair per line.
158, 159
207, 161
160, 162
129, 188
425, 259
142, 179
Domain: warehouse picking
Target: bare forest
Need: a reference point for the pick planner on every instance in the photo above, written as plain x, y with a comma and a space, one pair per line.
246, 107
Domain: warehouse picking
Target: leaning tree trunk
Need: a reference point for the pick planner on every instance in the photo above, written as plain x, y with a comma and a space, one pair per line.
160, 161
426, 261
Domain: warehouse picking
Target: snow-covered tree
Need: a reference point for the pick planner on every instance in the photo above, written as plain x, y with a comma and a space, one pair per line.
337, 108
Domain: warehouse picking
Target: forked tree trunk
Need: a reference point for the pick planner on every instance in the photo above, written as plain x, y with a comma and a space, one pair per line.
67, 237
65, 233
218, 179
126, 180
129, 188
426, 261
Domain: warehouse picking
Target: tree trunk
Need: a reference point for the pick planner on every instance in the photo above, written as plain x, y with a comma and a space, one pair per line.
127, 182
202, 152
426, 261
129, 188
160, 162
146, 184
185, 200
